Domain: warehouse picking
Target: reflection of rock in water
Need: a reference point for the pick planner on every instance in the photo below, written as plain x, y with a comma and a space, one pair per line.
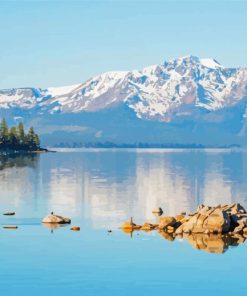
19, 160
53, 226
213, 243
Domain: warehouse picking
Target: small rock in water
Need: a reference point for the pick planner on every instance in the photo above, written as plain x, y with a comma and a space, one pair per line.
158, 211
56, 219
130, 225
109, 231
10, 227
9, 214
75, 228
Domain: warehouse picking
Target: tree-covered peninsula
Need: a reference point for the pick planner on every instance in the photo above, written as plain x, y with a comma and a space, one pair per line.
16, 139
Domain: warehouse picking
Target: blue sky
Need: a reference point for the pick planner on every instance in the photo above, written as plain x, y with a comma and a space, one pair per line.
52, 43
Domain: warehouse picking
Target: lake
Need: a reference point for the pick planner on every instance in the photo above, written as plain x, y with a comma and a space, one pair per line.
99, 190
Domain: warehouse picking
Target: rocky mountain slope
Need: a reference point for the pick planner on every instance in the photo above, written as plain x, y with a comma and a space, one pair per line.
181, 96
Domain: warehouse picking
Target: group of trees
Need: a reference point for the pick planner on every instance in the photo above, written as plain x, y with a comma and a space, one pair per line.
16, 138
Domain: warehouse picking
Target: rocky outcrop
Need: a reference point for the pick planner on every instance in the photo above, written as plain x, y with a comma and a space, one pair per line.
212, 229
56, 219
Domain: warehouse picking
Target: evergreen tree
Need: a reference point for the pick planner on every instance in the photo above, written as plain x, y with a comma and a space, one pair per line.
32, 139
21, 134
4, 131
15, 137
12, 139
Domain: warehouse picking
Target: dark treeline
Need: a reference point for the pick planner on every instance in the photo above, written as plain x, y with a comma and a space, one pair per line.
15, 137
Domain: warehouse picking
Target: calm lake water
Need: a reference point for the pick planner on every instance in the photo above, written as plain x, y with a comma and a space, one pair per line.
99, 190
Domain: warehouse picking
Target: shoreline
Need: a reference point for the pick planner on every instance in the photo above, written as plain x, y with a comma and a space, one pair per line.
23, 152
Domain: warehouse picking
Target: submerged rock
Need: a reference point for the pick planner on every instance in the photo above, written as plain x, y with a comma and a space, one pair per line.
56, 219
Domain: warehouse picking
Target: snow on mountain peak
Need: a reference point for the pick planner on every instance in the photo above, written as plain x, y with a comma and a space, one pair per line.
162, 91
210, 63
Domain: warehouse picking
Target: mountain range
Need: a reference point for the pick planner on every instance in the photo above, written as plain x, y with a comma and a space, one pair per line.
188, 100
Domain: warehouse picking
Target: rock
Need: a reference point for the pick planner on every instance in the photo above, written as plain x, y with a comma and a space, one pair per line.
211, 219
10, 227
170, 229
56, 219
157, 212
9, 214
242, 223
179, 230
166, 235
179, 218
148, 226
130, 225
75, 228
218, 221
166, 221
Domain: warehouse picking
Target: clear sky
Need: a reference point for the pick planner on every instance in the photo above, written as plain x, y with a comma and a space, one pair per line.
55, 43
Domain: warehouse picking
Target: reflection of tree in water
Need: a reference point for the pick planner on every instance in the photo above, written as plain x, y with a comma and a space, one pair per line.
19, 160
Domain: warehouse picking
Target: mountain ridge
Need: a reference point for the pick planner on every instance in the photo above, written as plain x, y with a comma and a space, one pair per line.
187, 90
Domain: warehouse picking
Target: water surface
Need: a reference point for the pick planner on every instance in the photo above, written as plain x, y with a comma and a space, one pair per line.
99, 189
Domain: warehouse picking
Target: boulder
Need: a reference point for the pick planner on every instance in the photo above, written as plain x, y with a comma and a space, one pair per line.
166, 221
218, 221
233, 209
56, 219
170, 229
148, 226
242, 223
179, 218
207, 219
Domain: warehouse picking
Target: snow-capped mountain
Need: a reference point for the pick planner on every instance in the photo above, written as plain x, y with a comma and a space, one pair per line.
187, 88
154, 92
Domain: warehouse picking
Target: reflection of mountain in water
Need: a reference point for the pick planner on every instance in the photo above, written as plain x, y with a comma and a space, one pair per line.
112, 186
106, 187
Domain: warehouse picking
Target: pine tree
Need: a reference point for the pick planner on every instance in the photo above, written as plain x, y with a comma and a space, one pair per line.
15, 137
12, 138
31, 138
4, 131
21, 134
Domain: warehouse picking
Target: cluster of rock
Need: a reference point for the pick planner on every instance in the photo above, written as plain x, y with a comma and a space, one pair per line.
209, 228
